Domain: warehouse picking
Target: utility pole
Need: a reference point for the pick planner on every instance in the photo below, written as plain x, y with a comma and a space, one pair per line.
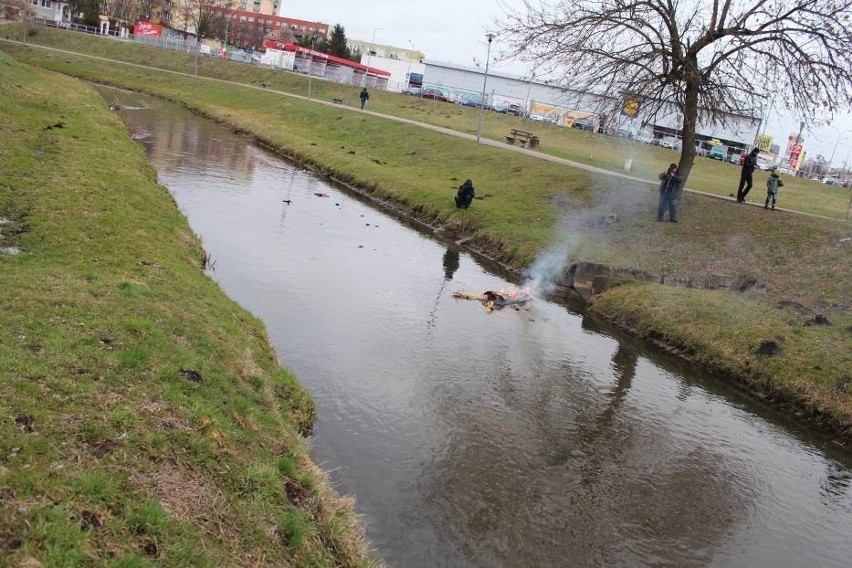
311, 66
490, 38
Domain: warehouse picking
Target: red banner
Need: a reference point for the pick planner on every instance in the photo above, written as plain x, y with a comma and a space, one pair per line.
147, 29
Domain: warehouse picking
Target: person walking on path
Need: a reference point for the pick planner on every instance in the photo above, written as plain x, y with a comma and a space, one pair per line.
670, 188
772, 184
749, 164
365, 96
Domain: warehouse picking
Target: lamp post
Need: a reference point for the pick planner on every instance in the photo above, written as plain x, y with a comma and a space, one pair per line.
490, 38
311, 66
370, 54
408, 73
197, 50
836, 143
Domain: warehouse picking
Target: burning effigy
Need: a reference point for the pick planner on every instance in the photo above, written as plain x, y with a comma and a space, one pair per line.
513, 296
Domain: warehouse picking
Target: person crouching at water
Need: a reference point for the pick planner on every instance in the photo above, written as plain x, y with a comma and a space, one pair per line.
669, 193
465, 195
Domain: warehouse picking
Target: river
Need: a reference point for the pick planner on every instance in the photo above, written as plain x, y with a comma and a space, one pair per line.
521, 437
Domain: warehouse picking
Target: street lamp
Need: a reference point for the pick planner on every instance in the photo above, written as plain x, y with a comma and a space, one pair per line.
408, 73
484, 82
370, 53
197, 50
311, 66
836, 143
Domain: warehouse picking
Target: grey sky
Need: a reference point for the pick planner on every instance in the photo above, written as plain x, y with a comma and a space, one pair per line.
454, 31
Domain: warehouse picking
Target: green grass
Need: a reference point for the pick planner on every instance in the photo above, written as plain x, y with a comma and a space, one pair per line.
801, 265
109, 455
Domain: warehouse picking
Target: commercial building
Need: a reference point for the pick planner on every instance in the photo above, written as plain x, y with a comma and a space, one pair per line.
563, 106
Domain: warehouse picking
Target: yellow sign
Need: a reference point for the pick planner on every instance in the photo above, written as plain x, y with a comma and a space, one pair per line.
764, 142
631, 107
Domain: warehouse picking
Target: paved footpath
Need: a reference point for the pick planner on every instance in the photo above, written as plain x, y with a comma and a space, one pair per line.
450, 132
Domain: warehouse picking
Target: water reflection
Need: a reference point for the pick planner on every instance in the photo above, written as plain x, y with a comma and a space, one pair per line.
451, 263
517, 438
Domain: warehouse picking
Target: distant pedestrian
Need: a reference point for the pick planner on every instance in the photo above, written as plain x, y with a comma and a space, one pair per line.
465, 195
670, 188
772, 184
365, 96
749, 164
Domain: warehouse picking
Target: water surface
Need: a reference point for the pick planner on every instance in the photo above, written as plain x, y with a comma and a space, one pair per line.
533, 437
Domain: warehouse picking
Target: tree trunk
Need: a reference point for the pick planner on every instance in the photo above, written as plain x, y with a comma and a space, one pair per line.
690, 122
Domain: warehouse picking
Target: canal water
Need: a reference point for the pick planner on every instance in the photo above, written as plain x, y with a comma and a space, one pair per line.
529, 437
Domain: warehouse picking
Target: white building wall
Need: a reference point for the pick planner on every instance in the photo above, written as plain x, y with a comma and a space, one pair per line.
398, 68
509, 89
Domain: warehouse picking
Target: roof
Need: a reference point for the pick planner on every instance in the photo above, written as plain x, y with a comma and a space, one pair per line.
319, 55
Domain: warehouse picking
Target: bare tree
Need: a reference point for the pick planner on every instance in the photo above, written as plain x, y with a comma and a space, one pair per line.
121, 10
709, 59
201, 17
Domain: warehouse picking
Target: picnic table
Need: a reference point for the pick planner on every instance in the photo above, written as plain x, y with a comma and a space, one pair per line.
524, 138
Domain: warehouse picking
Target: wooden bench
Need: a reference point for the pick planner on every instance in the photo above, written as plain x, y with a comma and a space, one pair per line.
526, 139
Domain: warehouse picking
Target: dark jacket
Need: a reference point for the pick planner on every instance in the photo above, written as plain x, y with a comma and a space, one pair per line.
465, 194
670, 184
364, 95
750, 162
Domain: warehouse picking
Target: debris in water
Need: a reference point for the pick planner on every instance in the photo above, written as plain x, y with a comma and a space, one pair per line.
495, 300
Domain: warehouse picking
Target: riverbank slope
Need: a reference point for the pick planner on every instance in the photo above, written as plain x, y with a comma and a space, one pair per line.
144, 417
782, 327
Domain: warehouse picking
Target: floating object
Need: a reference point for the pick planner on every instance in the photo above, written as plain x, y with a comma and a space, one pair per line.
495, 300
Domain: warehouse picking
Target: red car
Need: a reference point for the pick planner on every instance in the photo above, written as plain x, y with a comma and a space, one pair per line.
435, 95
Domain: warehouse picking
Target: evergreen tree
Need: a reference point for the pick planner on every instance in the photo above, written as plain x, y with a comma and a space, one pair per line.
91, 13
337, 44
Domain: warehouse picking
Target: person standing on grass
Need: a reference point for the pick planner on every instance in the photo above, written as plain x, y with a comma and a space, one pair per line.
670, 187
772, 185
749, 164
365, 96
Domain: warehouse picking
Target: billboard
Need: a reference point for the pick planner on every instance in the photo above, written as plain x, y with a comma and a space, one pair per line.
630, 107
764, 142
148, 29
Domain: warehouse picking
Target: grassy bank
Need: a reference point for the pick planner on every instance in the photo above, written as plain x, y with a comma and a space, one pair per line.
609, 153
144, 418
789, 333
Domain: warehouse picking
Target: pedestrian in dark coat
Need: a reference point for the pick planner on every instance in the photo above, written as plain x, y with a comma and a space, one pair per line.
749, 164
670, 188
465, 195
365, 96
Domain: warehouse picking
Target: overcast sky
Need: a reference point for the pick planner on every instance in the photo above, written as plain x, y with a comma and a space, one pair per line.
453, 31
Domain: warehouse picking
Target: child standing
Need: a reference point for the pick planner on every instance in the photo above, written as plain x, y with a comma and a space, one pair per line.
772, 185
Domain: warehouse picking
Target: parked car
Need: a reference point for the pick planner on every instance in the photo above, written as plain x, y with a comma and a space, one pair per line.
515, 108
413, 91
541, 118
671, 143
584, 124
435, 95
718, 152
736, 158
644, 139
